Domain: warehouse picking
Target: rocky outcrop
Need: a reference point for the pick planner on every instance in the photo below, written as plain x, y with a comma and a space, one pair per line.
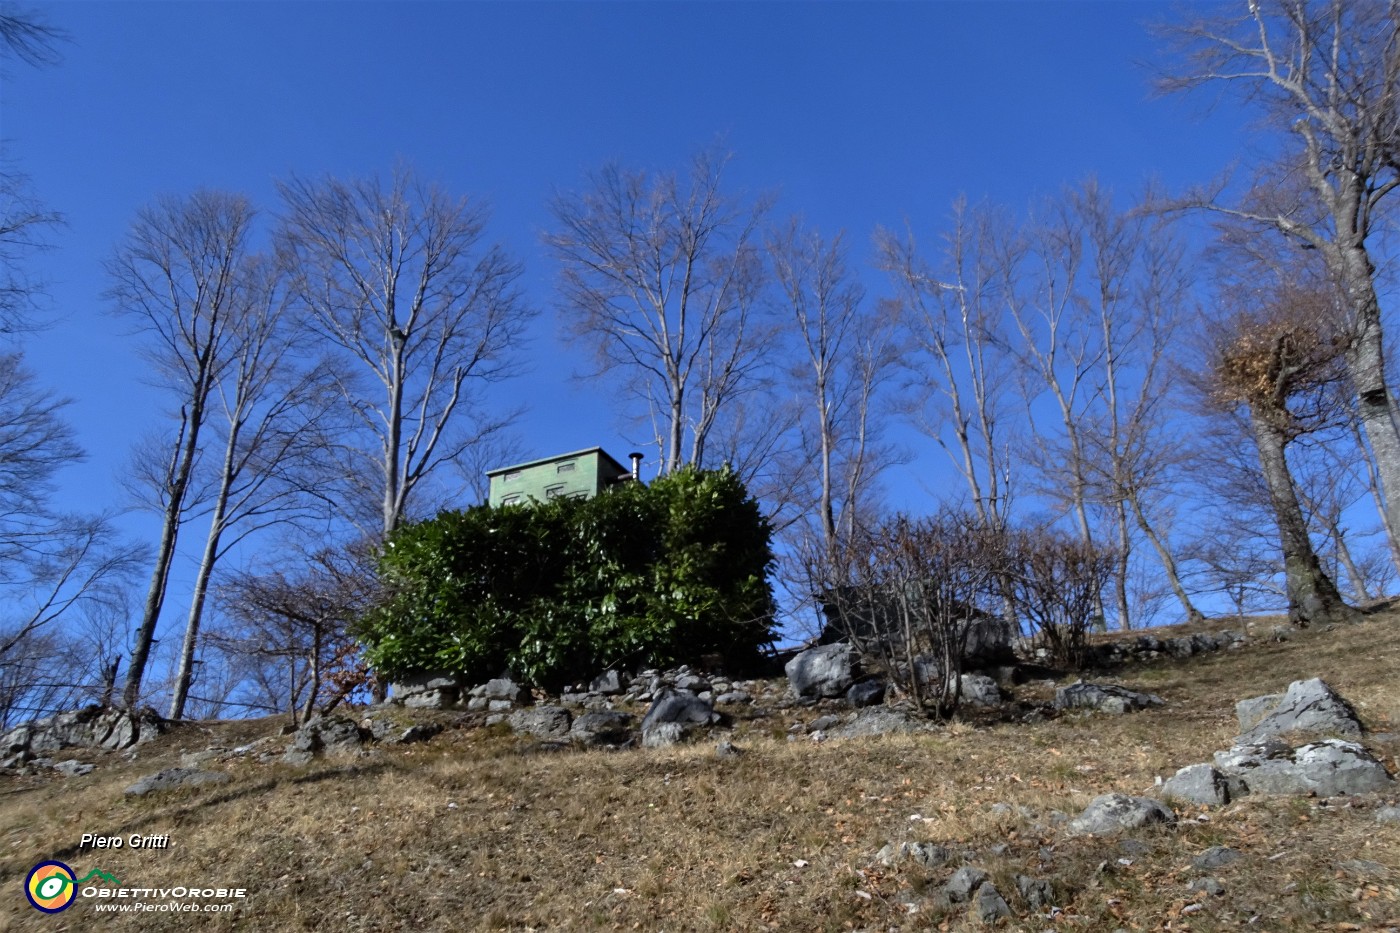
1307, 706
324, 735
825, 671
550, 723
676, 716
426, 691
1330, 768
89, 727
1114, 813
1107, 698
1199, 784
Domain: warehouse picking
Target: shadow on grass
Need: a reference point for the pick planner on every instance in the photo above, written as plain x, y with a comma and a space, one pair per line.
173, 815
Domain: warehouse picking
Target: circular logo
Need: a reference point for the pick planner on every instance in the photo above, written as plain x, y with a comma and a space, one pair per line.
51, 887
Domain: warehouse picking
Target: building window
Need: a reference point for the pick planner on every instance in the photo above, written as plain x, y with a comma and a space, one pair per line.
553, 492
566, 467
512, 477
511, 500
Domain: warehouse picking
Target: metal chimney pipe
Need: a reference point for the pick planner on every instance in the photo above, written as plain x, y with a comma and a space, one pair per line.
636, 459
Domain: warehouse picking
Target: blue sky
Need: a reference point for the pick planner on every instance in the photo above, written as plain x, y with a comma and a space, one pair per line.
855, 114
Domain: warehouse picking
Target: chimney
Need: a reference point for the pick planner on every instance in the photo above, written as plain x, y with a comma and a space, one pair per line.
636, 459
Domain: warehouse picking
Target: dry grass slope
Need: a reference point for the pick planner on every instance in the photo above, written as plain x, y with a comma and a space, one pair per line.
480, 830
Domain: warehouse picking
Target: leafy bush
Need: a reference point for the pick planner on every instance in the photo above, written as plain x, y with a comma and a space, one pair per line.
641, 575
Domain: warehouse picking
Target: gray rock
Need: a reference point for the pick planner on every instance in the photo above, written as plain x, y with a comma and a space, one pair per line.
823, 722
73, 768
503, 688
1108, 698
1134, 848
964, 884
980, 690
608, 683
89, 727
733, 698
824, 671
602, 727
1200, 784
1215, 857
727, 749
692, 682
1254, 710
664, 735
1306, 706
1036, 892
430, 690
876, 720
1209, 885
1113, 813
542, 722
674, 716
990, 906
477, 704
1328, 768
926, 854
323, 734
866, 693
171, 778
1388, 815
500, 706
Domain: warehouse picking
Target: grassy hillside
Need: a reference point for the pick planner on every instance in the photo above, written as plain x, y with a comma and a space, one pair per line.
482, 830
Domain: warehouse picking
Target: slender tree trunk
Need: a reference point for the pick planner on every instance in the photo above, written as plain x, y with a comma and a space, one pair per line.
185, 672
1168, 562
165, 553
1312, 596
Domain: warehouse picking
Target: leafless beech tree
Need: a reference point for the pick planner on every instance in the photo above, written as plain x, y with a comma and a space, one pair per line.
303, 620
662, 275
952, 312
1326, 76
1094, 320
1280, 360
846, 351
178, 275
272, 417
397, 276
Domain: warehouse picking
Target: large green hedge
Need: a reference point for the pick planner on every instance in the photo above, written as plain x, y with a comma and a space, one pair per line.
663, 574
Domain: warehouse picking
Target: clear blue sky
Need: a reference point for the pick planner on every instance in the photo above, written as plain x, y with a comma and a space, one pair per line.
857, 114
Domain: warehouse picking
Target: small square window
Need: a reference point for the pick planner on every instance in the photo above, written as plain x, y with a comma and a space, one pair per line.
512, 477
566, 467
510, 500
553, 492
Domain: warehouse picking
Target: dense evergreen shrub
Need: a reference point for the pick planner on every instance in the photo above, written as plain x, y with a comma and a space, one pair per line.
663, 574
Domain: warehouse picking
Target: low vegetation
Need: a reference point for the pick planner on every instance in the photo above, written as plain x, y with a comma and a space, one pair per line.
479, 829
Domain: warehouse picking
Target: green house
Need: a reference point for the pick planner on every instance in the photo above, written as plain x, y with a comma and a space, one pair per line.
581, 474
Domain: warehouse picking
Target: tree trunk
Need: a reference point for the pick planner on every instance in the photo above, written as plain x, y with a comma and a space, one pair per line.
1312, 596
1168, 562
165, 553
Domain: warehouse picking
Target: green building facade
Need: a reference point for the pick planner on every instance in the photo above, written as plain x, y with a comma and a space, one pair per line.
581, 474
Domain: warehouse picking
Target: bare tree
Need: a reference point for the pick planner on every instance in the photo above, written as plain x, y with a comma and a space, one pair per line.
912, 595
397, 276
1279, 361
846, 351
1326, 76
952, 312
27, 35
178, 275
304, 620
272, 416
662, 276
